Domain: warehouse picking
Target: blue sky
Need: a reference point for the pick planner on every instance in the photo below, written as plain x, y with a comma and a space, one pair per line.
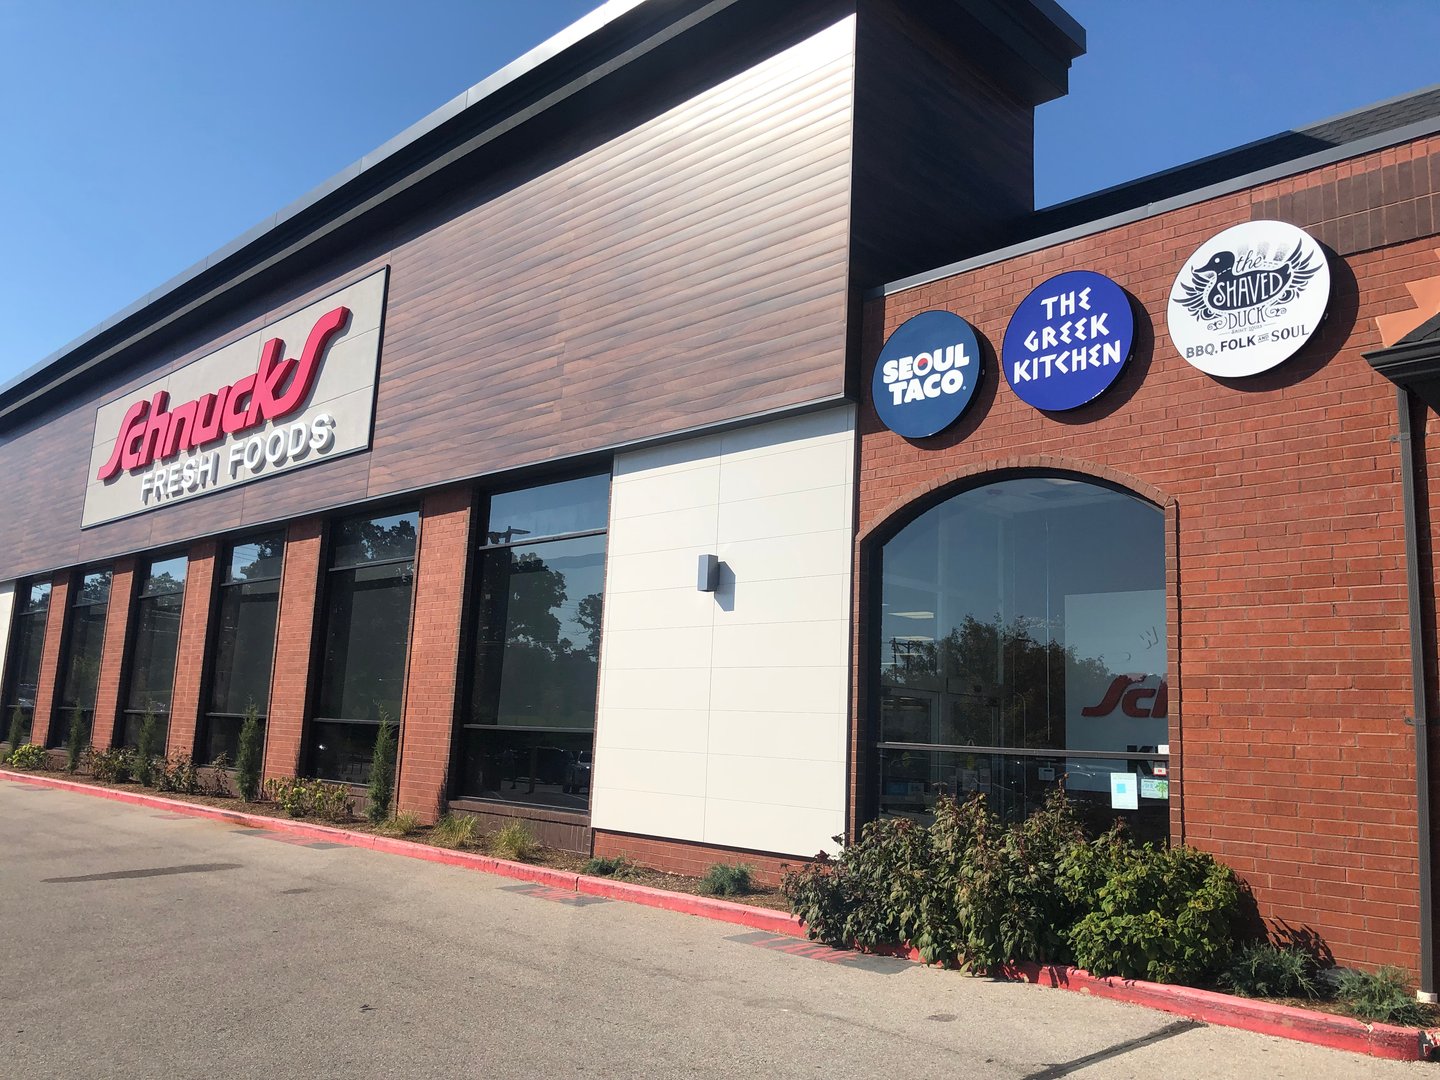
140, 136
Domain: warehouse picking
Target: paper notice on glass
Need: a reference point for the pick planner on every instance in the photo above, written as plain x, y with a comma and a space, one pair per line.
1124, 792
1154, 789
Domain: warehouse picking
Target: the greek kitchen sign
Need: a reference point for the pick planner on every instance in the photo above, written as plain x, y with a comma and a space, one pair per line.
299, 391
926, 374
1068, 341
1249, 298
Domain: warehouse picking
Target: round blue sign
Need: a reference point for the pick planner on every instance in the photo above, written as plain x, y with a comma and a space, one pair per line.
926, 374
1068, 341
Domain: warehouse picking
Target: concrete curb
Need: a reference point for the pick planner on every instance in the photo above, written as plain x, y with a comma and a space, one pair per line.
771, 921
1300, 1025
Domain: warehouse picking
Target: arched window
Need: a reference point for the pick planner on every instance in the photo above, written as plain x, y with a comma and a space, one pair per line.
1021, 647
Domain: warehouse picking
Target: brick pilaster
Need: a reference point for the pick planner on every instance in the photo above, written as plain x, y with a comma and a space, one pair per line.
434, 652
49, 679
294, 641
112, 655
190, 655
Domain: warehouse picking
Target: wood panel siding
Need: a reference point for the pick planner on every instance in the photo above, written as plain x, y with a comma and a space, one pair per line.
690, 269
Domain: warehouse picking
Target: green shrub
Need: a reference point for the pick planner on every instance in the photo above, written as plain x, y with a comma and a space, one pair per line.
19, 729
382, 771
311, 798
455, 831
147, 743
115, 764
219, 778
1265, 970
247, 757
514, 841
331, 802
1381, 997
79, 737
27, 756
726, 879
612, 866
1162, 914
402, 824
290, 794
177, 773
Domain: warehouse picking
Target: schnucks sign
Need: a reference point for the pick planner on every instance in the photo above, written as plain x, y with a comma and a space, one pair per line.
1068, 341
926, 374
299, 391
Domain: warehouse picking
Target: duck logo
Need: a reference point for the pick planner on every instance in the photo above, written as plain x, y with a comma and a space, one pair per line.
926, 374
1249, 298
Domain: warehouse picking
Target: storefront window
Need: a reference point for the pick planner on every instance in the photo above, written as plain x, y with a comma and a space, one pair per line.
27, 642
244, 643
1022, 648
84, 640
367, 629
528, 726
157, 641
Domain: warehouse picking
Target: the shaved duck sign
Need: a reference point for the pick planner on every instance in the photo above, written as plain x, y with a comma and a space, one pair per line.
1249, 298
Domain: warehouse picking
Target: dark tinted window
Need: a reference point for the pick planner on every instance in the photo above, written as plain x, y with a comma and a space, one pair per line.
570, 506
80, 657
156, 645
27, 643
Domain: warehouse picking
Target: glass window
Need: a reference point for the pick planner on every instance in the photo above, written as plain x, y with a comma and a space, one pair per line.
27, 642
1022, 647
527, 731
366, 636
84, 640
161, 597
244, 644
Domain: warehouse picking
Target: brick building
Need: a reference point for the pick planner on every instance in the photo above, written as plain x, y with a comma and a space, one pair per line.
445, 441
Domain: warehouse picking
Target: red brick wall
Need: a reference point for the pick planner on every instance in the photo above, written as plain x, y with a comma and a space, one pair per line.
1289, 640
434, 652
294, 639
683, 857
112, 654
47, 688
190, 656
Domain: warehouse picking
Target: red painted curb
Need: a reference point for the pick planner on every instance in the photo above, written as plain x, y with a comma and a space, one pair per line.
1287, 1022
775, 922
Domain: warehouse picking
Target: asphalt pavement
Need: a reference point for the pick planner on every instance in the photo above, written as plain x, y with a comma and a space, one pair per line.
139, 943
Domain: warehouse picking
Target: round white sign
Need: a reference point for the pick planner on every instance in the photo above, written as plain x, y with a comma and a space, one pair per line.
1249, 298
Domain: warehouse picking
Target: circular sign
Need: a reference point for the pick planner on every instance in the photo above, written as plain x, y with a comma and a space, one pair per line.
1249, 298
1068, 341
926, 374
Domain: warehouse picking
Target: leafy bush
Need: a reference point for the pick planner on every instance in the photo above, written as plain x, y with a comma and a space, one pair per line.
28, 756
115, 764
19, 729
147, 743
1162, 914
402, 824
514, 841
177, 773
219, 778
382, 771
247, 757
79, 737
1382, 997
455, 831
1265, 970
726, 879
612, 866
311, 798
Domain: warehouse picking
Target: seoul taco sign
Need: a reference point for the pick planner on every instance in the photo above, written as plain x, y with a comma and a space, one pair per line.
294, 393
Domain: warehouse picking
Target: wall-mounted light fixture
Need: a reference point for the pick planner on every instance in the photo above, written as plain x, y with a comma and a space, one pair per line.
708, 576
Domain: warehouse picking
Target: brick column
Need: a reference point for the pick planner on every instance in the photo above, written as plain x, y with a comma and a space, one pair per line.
294, 641
190, 654
47, 687
112, 655
434, 652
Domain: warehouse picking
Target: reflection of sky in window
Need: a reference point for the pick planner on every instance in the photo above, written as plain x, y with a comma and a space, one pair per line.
570, 506
582, 563
1013, 551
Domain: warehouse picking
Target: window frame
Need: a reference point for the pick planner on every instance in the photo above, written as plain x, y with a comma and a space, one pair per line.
9, 697
124, 711
58, 733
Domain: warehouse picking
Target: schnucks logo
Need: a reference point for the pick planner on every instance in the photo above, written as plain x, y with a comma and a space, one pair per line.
926, 374
1249, 298
1068, 341
152, 431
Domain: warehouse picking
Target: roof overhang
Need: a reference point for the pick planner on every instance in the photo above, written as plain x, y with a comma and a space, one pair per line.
1413, 362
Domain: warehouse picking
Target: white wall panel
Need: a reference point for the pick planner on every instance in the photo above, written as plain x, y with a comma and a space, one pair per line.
7, 617
723, 716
